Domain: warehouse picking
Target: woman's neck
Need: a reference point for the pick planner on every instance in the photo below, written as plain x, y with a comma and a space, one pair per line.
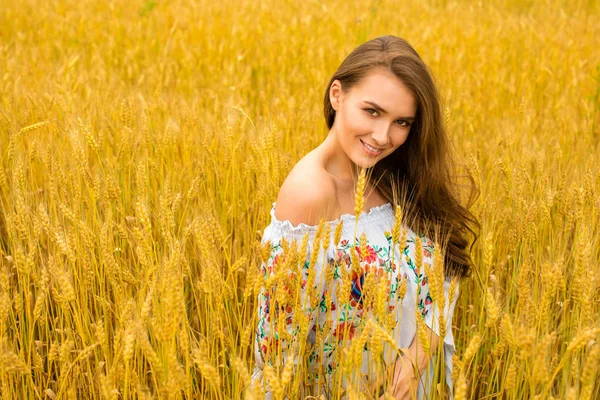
336, 161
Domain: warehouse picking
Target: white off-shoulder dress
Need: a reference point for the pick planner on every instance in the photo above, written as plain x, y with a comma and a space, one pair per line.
377, 224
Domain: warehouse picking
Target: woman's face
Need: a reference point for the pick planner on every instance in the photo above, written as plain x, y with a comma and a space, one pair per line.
373, 118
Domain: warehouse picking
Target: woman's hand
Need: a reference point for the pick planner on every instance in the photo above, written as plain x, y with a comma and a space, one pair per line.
409, 366
404, 382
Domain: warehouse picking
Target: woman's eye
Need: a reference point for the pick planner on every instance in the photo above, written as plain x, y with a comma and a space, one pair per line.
400, 122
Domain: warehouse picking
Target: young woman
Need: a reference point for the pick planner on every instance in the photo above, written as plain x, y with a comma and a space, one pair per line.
383, 114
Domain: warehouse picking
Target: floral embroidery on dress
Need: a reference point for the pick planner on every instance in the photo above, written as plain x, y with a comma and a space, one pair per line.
336, 320
378, 261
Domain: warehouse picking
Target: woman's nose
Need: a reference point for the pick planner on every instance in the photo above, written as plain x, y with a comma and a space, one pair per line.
381, 135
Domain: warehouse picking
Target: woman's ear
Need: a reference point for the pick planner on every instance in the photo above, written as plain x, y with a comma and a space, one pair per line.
335, 92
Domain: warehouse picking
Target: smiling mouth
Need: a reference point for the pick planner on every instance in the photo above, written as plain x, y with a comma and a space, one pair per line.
371, 151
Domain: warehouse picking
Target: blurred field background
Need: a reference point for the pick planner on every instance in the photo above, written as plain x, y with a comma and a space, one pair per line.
142, 143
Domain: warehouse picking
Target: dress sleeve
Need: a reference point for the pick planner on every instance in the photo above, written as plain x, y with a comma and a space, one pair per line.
299, 291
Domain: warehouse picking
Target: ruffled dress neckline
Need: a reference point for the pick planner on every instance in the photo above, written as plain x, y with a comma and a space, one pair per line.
375, 213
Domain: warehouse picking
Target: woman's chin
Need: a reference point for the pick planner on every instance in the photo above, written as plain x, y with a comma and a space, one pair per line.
362, 160
366, 163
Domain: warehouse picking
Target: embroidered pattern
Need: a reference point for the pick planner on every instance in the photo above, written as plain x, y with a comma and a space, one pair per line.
380, 260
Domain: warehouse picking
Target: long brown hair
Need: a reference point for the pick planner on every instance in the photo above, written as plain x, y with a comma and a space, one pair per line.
420, 171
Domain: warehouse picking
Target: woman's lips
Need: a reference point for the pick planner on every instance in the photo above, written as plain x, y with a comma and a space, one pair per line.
369, 150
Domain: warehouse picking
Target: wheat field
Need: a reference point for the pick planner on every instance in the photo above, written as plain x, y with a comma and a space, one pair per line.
142, 143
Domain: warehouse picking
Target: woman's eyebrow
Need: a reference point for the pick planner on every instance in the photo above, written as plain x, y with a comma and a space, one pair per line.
379, 108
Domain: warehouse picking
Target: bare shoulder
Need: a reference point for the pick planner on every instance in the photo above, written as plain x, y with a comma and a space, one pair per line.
307, 195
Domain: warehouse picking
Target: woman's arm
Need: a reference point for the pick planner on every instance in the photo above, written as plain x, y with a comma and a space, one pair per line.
405, 377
